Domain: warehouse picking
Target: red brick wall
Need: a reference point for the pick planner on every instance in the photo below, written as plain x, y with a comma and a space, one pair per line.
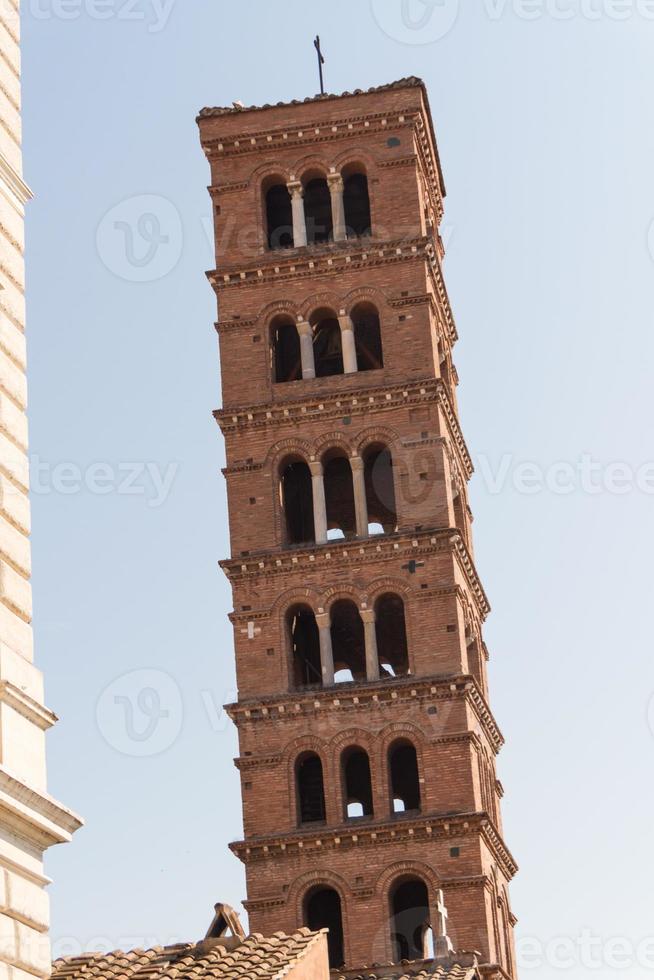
409, 406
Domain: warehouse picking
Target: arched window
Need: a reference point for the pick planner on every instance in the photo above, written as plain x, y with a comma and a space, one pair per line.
404, 778
356, 202
410, 919
318, 211
305, 646
279, 217
357, 784
367, 337
390, 626
310, 788
348, 640
327, 345
297, 501
322, 910
380, 489
339, 496
285, 347
475, 657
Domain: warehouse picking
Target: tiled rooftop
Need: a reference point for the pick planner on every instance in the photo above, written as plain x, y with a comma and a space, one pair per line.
410, 82
256, 958
426, 970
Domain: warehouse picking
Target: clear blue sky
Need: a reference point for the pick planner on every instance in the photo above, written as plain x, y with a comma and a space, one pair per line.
547, 141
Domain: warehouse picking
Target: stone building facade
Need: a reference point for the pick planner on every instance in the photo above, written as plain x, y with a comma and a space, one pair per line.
367, 744
30, 820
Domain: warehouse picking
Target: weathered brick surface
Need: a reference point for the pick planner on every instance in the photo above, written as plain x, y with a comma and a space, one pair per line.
409, 406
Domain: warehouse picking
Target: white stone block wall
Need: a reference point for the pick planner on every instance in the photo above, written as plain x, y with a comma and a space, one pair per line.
30, 820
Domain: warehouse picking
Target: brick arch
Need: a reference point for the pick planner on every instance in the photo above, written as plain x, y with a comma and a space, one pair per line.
318, 876
380, 586
353, 736
379, 433
271, 310
312, 161
306, 595
296, 748
332, 440
413, 733
366, 294
349, 156
286, 447
305, 743
269, 169
329, 299
341, 591
402, 868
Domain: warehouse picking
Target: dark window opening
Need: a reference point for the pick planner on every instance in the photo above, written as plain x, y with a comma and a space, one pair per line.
297, 502
410, 925
322, 910
405, 781
367, 337
391, 636
310, 789
475, 658
348, 640
380, 489
356, 202
279, 217
339, 497
318, 211
357, 784
327, 346
287, 358
305, 646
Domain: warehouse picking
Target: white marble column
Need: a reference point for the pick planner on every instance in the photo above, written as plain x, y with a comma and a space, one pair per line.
336, 188
306, 349
360, 501
323, 622
296, 191
348, 343
319, 503
372, 657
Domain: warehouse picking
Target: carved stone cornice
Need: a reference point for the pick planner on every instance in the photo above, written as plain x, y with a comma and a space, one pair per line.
26, 706
419, 829
315, 260
354, 697
353, 402
402, 546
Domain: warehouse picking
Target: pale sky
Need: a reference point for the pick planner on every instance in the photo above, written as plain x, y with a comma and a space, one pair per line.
543, 113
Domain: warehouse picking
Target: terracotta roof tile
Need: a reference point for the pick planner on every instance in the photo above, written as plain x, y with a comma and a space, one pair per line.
410, 82
256, 958
425, 970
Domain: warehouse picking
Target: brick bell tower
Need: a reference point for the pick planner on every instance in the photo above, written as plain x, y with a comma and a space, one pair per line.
367, 744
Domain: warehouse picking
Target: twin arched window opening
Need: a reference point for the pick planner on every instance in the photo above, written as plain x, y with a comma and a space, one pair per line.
338, 497
337, 344
318, 209
411, 931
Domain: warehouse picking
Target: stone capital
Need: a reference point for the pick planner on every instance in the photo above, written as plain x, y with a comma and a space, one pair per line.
323, 621
295, 188
356, 462
316, 468
304, 328
368, 615
336, 184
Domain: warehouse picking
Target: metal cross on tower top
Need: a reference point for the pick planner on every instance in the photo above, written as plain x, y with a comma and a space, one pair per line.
321, 62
